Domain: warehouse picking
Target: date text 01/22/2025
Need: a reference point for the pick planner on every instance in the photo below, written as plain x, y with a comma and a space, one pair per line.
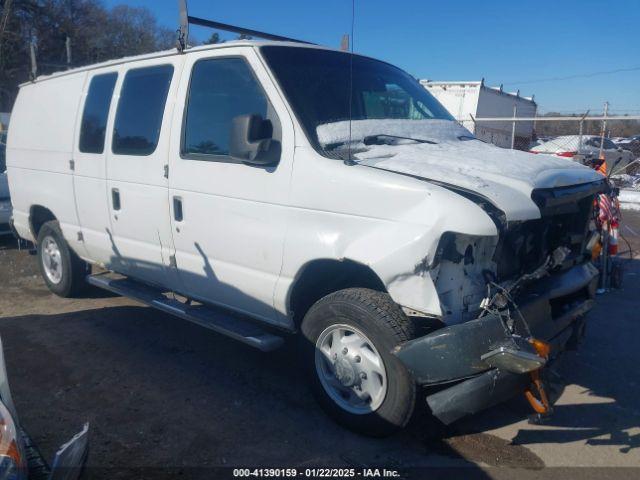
315, 473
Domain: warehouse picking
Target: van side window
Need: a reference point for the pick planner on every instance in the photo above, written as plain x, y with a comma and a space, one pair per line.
140, 109
220, 90
96, 111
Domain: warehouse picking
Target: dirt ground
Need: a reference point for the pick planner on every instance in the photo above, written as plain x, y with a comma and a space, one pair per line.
161, 392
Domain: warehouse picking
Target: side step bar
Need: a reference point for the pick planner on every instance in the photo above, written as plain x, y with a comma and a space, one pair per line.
208, 317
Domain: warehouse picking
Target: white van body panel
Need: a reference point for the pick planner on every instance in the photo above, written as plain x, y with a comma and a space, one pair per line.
39, 151
90, 186
229, 245
141, 229
388, 222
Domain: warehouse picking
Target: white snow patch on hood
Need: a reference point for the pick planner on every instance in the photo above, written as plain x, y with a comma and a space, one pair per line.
433, 130
506, 177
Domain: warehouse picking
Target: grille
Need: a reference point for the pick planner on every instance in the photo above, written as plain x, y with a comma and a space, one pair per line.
524, 246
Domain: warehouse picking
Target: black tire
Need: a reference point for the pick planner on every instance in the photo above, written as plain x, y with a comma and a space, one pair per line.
73, 269
382, 321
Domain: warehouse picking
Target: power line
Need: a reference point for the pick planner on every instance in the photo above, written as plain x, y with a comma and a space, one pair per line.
570, 77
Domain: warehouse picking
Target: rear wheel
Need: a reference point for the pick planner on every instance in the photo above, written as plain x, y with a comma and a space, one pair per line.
347, 339
62, 270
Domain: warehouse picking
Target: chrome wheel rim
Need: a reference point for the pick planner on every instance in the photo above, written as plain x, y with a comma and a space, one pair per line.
350, 369
51, 260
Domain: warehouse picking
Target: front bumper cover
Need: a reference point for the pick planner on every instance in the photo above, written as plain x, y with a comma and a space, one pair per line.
553, 309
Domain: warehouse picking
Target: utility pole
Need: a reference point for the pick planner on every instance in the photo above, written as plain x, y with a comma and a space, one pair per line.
581, 131
604, 128
67, 44
344, 43
32, 55
513, 126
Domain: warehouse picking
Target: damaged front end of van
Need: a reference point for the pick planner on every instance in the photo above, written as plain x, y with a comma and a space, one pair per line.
510, 306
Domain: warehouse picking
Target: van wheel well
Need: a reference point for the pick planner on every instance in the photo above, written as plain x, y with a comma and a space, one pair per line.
38, 216
322, 277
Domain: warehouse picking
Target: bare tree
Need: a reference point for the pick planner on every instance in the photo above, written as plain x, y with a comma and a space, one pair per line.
96, 34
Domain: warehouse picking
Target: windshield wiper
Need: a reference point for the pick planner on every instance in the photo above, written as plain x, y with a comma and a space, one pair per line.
377, 139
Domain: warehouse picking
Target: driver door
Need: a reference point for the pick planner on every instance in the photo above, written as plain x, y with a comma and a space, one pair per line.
228, 218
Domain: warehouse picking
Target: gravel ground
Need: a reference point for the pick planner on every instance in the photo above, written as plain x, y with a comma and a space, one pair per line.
162, 392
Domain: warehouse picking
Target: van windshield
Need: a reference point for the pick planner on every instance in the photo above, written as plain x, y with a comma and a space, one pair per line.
383, 102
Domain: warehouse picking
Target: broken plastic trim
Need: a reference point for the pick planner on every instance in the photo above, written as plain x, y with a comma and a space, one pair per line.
552, 201
512, 360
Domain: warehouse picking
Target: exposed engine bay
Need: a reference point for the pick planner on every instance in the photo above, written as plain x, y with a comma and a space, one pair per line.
467, 267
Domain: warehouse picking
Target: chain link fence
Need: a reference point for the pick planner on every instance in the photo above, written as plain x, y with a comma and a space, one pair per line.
583, 138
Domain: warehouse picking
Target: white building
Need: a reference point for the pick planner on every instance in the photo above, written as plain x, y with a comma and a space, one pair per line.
465, 100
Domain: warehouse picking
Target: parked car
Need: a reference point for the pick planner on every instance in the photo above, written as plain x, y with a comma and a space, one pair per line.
630, 143
5, 202
539, 141
585, 148
398, 248
20, 459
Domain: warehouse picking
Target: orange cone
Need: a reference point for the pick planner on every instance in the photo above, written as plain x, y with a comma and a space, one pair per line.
602, 168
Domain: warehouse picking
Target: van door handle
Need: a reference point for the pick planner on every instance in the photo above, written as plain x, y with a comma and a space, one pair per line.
115, 198
177, 209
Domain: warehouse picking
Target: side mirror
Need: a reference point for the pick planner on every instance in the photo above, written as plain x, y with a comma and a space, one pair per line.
250, 139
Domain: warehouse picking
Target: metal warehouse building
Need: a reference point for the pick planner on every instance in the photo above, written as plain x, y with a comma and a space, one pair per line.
469, 100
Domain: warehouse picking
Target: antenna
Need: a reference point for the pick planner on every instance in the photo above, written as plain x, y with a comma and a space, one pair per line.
353, 16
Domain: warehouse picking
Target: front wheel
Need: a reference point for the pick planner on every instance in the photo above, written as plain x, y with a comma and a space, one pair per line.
347, 339
62, 270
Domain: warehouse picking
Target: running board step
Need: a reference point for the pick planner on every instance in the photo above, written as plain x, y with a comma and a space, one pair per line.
208, 317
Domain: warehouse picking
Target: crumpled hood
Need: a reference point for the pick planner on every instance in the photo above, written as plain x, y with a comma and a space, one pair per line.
505, 177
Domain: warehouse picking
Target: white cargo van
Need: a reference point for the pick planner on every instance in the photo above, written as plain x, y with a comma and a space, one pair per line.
249, 179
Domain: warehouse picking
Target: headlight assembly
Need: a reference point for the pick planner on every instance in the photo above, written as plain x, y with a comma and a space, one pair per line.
12, 464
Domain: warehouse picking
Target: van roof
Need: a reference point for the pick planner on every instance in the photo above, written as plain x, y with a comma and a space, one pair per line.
172, 52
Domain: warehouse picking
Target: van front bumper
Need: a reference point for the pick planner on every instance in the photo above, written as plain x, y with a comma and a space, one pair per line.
451, 358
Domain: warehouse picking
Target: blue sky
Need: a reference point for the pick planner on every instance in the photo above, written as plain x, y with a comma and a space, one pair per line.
513, 42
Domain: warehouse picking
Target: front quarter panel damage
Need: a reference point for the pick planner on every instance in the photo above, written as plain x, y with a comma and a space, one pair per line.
408, 260
390, 223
